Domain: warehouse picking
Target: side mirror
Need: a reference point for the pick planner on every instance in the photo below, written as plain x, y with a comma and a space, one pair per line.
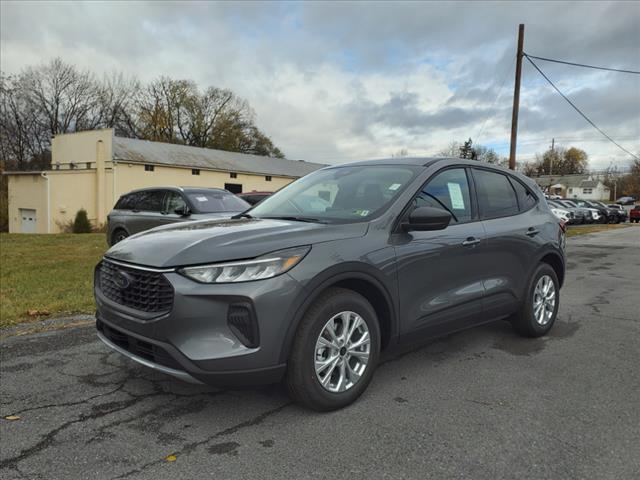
427, 218
183, 211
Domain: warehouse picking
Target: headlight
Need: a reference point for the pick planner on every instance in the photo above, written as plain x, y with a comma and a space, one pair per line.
259, 268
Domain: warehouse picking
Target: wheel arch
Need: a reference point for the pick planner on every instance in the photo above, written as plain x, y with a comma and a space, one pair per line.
362, 282
555, 261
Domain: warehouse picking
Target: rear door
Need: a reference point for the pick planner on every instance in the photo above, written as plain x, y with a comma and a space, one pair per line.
439, 273
512, 223
147, 211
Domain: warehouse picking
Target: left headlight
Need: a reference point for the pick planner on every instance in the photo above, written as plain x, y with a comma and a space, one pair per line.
266, 266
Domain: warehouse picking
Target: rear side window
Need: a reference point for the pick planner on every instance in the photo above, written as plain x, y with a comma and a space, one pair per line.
150, 200
526, 199
496, 196
126, 202
448, 190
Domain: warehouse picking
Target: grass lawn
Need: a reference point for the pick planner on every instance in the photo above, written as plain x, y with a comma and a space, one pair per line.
573, 231
47, 275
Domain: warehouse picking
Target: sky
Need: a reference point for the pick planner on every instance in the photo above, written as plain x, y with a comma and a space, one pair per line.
338, 81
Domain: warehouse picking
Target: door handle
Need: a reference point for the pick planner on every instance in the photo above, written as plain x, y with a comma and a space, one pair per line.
532, 231
470, 242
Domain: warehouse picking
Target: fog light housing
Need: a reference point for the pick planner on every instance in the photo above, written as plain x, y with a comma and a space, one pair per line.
242, 322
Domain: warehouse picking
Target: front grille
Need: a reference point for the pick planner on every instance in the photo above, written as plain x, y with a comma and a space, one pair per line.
142, 290
139, 348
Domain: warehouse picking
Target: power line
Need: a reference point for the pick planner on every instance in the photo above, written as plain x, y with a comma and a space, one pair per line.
582, 65
578, 110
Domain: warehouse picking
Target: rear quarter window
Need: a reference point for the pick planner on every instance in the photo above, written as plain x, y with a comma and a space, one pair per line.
126, 202
526, 198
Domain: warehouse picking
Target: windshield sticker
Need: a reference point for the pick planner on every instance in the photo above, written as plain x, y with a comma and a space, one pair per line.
455, 193
362, 213
201, 199
395, 186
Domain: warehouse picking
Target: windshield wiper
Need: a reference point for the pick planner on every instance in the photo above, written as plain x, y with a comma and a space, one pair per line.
241, 215
298, 219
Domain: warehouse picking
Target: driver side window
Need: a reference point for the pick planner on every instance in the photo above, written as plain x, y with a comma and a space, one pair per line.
173, 201
448, 190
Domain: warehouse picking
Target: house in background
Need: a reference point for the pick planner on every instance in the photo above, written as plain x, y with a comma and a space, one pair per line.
586, 187
92, 169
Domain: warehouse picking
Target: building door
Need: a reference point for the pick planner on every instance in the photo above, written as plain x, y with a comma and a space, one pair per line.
233, 187
28, 220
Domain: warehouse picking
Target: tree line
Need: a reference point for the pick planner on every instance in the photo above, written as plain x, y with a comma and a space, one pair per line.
53, 98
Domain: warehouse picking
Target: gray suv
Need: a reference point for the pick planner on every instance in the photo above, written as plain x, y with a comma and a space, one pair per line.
150, 207
312, 291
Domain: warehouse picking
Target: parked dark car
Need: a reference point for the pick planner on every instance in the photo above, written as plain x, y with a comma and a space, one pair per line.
254, 197
607, 215
622, 212
146, 208
634, 214
396, 250
613, 214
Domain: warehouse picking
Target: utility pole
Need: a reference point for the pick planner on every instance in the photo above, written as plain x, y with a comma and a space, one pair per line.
516, 99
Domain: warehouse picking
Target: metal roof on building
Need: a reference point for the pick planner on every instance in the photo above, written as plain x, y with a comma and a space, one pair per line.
158, 153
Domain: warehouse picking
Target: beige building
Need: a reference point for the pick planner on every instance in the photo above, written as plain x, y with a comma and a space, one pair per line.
92, 169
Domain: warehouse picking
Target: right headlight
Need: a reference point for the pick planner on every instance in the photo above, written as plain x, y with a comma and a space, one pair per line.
260, 268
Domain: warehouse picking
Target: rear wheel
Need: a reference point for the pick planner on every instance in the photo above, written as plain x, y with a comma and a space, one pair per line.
540, 306
335, 351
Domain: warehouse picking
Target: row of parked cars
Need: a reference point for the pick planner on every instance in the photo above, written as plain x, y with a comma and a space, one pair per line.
576, 211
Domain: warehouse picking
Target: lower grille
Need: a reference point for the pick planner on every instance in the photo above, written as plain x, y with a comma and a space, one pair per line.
137, 347
142, 290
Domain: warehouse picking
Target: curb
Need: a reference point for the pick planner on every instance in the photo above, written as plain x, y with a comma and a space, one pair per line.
50, 324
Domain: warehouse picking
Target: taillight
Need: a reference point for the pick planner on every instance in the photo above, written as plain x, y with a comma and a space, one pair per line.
563, 226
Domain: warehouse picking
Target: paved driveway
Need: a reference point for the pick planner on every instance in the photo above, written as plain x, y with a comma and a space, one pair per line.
479, 404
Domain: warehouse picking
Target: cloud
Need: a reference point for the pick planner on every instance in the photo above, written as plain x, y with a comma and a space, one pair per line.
340, 81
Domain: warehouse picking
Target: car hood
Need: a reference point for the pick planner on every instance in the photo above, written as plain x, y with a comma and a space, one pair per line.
207, 241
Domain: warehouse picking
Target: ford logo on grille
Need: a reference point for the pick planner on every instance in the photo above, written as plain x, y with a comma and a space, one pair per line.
122, 279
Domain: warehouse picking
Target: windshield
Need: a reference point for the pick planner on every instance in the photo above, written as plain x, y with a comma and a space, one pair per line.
569, 203
214, 202
338, 195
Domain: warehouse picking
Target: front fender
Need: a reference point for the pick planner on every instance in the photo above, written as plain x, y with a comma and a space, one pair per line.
332, 276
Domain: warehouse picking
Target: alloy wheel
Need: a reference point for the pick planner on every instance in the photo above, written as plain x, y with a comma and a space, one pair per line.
342, 352
544, 300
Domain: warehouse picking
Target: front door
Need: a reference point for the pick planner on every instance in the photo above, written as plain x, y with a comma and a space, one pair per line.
27, 220
173, 201
440, 272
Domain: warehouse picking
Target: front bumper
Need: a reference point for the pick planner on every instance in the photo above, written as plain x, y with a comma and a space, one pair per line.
194, 340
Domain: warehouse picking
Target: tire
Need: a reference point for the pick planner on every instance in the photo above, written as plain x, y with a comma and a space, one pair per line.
525, 322
302, 381
118, 235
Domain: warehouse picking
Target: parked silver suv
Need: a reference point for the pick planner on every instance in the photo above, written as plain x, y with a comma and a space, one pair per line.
146, 208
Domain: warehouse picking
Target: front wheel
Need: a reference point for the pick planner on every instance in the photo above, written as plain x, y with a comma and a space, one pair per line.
335, 351
118, 235
540, 306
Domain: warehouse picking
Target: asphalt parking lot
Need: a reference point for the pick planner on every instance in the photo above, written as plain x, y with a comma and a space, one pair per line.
479, 404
